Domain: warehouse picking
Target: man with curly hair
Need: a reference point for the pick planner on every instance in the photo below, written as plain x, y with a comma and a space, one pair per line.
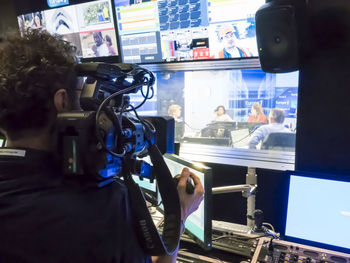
43, 219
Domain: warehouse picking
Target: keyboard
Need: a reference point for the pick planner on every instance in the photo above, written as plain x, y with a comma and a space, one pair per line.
187, 257
226, 227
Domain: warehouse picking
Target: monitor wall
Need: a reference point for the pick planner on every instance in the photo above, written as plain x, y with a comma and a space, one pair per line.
89, 26
186, 30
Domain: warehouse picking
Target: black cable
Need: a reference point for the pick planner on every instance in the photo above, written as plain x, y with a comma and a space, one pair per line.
152, 92
146, 123
143, 95
144, 99
98, 133
145, 80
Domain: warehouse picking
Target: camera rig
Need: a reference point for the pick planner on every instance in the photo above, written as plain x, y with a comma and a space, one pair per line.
103, 141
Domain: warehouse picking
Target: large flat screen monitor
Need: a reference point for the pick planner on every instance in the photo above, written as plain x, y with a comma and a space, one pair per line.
89, 26
318, 210
186, 30
198, 224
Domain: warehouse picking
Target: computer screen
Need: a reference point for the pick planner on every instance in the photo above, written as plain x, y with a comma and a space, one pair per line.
2, 142
197, 224
88, 26
318, 210
186, 30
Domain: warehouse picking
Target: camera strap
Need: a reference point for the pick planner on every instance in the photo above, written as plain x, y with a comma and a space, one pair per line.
152, 242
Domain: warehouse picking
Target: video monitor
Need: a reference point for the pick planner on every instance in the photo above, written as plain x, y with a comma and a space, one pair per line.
2, 142
89, 26
318, 210
186, 30
197, 224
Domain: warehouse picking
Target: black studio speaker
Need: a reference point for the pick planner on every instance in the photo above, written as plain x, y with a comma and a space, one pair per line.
277, 37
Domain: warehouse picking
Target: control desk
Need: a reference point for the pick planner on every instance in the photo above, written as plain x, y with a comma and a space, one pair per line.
279, 251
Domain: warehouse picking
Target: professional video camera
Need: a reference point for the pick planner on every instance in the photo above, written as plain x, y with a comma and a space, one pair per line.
104, 140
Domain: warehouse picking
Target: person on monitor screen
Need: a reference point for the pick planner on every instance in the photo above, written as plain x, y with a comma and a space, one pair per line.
276, 119
220, 114
101, 48
257, 114
105, 12
100, 16
37, 20
44, 218
110, 46
175, 112
21, 23
229, 41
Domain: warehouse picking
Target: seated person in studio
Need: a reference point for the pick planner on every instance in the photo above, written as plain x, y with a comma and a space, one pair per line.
44, 218
276, 119
174, 111
257, 114
220, 114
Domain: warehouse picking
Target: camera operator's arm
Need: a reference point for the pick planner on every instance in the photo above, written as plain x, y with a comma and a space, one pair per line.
189, 204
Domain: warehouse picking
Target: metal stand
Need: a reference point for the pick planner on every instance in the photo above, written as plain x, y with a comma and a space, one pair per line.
248, 191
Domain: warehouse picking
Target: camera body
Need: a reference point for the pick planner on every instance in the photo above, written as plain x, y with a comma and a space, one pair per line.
93, 143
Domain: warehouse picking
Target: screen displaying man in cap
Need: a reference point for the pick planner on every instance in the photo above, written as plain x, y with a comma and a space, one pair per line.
229, 41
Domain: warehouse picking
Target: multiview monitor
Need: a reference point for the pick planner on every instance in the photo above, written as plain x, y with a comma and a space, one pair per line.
89, 25
186, 30
318, 210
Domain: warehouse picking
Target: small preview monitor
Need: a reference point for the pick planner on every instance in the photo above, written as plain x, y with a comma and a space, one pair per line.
89, 26
197, 224
318, 210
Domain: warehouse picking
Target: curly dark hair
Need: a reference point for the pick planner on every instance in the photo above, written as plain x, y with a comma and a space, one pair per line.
32, 68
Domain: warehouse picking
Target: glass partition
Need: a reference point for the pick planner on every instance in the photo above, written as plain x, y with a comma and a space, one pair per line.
229, 109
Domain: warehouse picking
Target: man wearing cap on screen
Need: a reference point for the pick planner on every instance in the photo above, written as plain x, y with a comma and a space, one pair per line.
230, 49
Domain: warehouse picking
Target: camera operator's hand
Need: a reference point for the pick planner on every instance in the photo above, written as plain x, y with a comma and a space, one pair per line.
189, 202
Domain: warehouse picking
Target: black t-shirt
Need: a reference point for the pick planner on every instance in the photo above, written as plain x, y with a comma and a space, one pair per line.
44, 219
